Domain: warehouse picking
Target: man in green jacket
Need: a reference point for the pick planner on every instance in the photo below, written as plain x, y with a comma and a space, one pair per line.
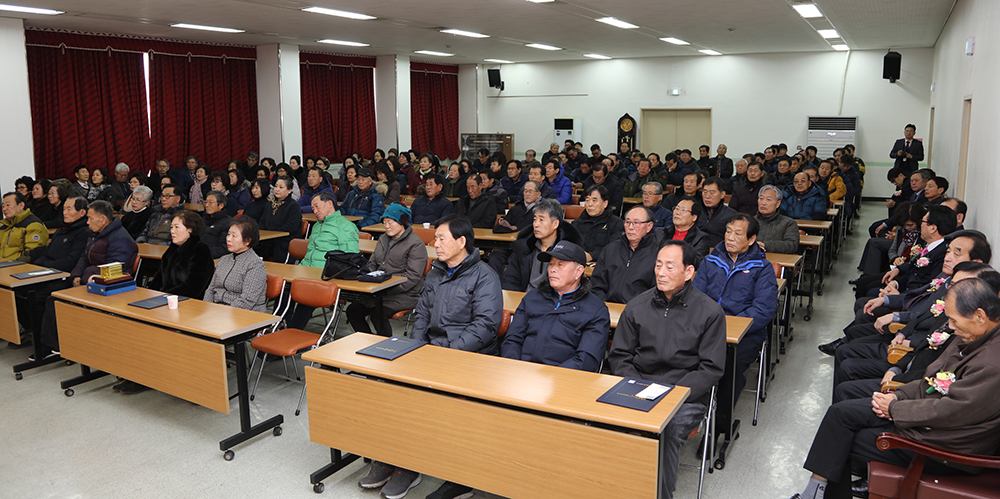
331, 232
20, 231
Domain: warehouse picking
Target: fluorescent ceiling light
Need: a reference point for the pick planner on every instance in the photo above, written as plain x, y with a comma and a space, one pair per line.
206, 28
597, 56
30, 10
339, 13
807, 10
499, 61
343, 42
431, 52
618, 23
543, 47
828, 33
710, 52
841, 47
469, 34
541, 1
675, 41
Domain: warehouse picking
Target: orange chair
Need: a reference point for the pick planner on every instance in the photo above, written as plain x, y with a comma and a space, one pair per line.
365, 235
305, 228
573, 212
426, 234
504, 324
297, 248
576, 199
408, 313
289, 342
275, 291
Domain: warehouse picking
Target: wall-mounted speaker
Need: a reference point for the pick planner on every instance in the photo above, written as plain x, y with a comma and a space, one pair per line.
494, 76
890, 66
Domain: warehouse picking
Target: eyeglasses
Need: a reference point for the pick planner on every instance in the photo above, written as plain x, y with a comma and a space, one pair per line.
683, 210
633, 223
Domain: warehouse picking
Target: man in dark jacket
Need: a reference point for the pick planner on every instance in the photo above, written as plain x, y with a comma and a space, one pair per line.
537, 173
560, 323
434, 206
519, 217
525, 271
938, 223
216, 224
599, 176
514, 181
716, 214
778, 233
803, 200
491, 187
481, 210
363, 201
644, 175
625, 267
685, 228
652, 195
597, 225
673, 334
693, 183
737, 276
723, 165
744, 198
157, 229
559, 183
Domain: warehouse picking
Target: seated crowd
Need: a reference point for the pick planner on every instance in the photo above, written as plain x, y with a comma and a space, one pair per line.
691, 249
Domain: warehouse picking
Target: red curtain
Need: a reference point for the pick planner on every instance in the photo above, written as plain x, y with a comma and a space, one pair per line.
434, 109
87, 107
338, 105
205, 106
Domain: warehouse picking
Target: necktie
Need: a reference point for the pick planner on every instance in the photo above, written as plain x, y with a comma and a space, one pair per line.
907, 145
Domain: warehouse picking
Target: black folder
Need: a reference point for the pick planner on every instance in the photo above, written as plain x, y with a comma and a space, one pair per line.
10, 263
155, 302
35, 273
392, 348
623, 394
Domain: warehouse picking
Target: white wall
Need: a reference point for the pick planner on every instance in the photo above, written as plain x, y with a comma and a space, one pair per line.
468, 98
957, 77
404, 128
291, 101
385, 101
15, 127
756, 100
279, 101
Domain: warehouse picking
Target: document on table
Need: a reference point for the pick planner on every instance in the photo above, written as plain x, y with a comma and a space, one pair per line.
392, 348
635, 393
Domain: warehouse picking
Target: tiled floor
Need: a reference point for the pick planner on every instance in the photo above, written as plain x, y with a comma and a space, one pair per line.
100, 444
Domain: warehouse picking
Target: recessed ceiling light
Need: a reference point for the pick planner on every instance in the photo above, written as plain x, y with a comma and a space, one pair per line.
30, 10
469, 34
710, 52
618, 23
339, 13
841, 47
499, 61
343, 42
675, 41
596, 56
828, 33
541, 1
431, 52
807, 10
543, 47
206, 28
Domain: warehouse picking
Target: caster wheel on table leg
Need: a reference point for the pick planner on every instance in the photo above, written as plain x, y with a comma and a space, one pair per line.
806, 317
318, 488
69, 392
229, 455
18, 376
277, 431
720, 464
69, 362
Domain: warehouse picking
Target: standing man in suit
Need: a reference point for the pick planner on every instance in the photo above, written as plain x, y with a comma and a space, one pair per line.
907, 151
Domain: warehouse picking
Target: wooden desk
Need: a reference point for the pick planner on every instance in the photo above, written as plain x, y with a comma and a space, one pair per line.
637, 200
815, 245
822, 228
736, 328
152, 251
311, 217
181, 352
9, 329
271, 234
194, 206
543, 421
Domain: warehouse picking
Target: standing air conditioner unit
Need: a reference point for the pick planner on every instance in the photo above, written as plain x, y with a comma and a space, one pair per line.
827, 133
567, 128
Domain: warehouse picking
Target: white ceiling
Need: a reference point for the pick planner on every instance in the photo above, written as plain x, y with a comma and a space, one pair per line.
728, 26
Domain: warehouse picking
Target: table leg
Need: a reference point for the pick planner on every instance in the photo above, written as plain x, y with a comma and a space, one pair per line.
727, 399
338, 462
247, 431
85, 375
36, 339
378, 316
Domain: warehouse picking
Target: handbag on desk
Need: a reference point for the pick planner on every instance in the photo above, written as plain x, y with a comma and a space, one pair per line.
342, 265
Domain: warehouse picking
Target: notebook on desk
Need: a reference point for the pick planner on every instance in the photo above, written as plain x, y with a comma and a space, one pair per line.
10, 263
625, 394
35, 273
392, 348
155, 302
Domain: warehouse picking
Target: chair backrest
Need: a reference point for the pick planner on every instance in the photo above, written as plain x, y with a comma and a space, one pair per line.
777, 270
275, 286
365, 235
427, 268
504, 324
297, 248
305, 227
576, 199
573, 212
315, 293
426, 234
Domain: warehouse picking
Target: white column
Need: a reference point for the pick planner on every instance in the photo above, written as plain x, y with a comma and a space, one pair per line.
279, 103
385, 102
468, 98
404, 129
15, 127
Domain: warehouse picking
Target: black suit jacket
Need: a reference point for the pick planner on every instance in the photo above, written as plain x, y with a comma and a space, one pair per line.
913, 277
909, 165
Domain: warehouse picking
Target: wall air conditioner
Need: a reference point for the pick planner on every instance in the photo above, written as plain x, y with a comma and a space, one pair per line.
827, 133
567, 128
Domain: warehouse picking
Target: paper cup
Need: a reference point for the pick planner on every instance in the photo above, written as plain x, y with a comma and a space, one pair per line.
172, 302
427, 225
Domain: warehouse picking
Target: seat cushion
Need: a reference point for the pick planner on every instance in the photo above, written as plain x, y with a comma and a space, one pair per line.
284, 342
885, 479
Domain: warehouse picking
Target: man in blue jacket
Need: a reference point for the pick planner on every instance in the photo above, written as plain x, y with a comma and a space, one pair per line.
561, 323
562, 185
737, 276
363, 201
803, 200
434, 206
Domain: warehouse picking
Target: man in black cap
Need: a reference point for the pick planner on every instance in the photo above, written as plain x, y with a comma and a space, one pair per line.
560, 323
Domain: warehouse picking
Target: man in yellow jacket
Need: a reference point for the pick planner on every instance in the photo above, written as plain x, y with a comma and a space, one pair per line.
20, 231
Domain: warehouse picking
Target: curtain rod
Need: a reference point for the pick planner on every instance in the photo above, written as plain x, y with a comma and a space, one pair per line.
110, 49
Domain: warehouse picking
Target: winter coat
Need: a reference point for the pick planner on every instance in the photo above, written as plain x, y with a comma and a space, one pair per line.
287, 218
514, 188
680, 342
412, 180
21, 234
563, 187
185, 270
405, 255
714, 222
634, 187
696, 238
746, 288
237, 199
519, 216
305, 199
239, 281
368, 205
334, 232
214, 235
780, 234
809, 206
462, 310
744, 198
597, 232
567, 331
524, 251
112, 244
157, 229
65, 247
255, 208
780, 180
427, 210
835, 187
482, 211
622, 273
615, 195
135, 221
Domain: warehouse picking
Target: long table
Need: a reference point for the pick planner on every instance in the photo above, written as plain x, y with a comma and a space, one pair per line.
181, 352
542, 422
10, 287
814, 244
484, 237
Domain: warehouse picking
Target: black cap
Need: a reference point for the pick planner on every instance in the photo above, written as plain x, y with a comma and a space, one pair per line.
565, 250
365, 172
